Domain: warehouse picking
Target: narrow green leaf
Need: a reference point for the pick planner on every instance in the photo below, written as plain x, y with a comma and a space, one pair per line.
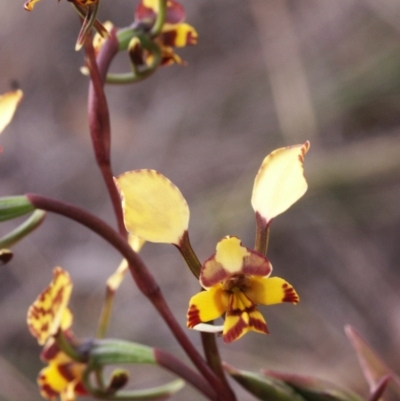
23, 230
107, 352
372, 366
264, 388
314, 389
14, 206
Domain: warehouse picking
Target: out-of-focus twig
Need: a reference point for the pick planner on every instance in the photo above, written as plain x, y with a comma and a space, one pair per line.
288, 80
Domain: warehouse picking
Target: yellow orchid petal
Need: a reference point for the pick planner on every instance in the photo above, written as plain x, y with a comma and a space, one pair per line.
237, 319
48, 312
257, 322
8, 104
154, 208
231, 258
280, 181
207, 305
241, 317
152, 4
62, 379
30, 4
51, 382
269, 291
179, 35
230, 254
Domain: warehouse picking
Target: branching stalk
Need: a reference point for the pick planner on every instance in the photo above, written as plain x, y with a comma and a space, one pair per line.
143, 278
99, 118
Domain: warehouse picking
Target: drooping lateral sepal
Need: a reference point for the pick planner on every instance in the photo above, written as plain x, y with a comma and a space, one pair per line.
206, 306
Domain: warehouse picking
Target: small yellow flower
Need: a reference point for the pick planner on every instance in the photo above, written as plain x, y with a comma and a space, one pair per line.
236, 279
46, 316
174, 33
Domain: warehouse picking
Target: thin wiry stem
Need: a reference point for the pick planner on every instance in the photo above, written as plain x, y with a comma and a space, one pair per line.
99, 118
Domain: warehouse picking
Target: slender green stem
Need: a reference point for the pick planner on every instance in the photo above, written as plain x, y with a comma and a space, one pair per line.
34, 221
105, 313
187, 252
160, 20
137, 75
141, 275
66, 346
213, 357
262, 235
209, 342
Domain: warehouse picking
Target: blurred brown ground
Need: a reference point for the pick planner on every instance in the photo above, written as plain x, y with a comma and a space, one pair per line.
264, 74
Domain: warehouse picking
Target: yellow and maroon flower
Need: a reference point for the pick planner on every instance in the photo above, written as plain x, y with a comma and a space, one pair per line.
236, 279
174, 33
63, 375
46, 317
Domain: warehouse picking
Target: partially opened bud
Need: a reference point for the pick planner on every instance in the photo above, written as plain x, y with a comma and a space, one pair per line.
14, 206
280, 181
5, 256
135, 51
264, 388
154, 208
8, 104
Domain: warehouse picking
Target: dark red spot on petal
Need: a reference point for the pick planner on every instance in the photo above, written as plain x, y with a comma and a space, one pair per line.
289, 294
50, 393
193, 316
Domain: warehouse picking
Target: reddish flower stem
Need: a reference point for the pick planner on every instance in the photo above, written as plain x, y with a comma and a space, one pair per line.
99, 117
142, 277
262, 234
173, 364
208, 340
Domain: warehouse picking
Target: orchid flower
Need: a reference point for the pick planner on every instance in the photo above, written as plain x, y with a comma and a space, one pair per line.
235, 278
48, 315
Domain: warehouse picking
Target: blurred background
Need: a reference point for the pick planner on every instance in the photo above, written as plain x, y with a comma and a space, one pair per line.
265, 74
